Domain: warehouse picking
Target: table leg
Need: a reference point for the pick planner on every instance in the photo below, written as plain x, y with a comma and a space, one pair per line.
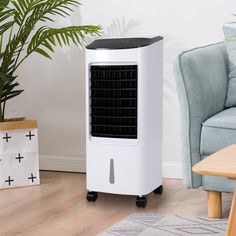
231, 228
214, 204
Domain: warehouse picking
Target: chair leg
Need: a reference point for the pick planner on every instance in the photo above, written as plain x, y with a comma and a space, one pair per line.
214, 204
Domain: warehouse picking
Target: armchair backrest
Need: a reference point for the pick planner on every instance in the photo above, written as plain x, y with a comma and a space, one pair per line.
201, 78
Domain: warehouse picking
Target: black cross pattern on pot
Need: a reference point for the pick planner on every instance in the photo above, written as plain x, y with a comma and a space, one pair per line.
9, 180
19, 158
30, 135
6, 137
32, 177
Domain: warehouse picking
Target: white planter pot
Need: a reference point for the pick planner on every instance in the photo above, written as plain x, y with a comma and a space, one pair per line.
19, 162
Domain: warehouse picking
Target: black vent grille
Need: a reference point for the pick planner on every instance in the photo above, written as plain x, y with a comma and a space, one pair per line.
113, 101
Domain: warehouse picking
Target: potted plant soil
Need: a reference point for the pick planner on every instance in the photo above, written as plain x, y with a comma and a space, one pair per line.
20, 37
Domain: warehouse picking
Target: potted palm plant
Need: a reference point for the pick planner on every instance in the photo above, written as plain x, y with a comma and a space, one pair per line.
20, 37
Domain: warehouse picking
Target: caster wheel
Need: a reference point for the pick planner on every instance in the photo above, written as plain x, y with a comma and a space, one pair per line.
141, 201
158, 190
92, 196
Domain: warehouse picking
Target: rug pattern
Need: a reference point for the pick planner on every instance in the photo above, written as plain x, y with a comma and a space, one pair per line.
153, 224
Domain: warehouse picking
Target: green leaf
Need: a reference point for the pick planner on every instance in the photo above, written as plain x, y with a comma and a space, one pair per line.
7, 89
42, 52
6, 26
19, 14
11, 95
23, 8
6, 14
47, 45
45, 38
54, 7
3, 4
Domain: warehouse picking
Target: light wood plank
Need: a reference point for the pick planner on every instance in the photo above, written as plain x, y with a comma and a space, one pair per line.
59, 207
231, 229
214, 204
221, 163
21, 123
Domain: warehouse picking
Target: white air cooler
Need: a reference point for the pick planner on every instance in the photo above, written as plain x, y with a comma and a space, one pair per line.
124, 117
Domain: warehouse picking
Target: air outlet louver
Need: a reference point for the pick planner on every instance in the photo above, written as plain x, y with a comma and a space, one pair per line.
113, 101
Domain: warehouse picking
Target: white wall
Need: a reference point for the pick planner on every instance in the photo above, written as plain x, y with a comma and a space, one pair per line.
54, 90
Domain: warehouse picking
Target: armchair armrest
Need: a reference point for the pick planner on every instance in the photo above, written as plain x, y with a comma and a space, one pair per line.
201, 78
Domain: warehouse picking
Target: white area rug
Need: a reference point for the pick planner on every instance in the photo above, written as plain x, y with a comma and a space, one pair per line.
150, 224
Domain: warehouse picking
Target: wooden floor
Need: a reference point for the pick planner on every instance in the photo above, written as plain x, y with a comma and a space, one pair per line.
58, 206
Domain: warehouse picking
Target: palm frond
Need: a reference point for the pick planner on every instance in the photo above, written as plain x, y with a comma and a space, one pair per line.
45, 38
6, 26
6, 14
8, 87
18, 22
10, 52
45, 9
40, 10
3, 4
23, 8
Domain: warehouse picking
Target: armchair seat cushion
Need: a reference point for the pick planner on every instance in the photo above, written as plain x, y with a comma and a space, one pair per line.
218, 131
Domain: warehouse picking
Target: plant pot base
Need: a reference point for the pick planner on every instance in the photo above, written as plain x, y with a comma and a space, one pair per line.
19, 162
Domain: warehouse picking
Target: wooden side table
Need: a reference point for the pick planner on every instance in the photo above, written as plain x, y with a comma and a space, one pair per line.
222, 163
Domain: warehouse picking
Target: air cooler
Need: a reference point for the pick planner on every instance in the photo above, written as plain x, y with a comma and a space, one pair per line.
124, 117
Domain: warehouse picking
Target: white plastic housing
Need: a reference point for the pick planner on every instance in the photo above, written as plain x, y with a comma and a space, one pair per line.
137, 162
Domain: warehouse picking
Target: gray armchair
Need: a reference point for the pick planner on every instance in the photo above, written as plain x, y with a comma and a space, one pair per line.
201, 77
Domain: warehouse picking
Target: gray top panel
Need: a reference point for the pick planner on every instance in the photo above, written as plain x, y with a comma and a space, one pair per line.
122, 43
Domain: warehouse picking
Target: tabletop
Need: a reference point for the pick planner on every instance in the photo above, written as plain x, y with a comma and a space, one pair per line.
221, 163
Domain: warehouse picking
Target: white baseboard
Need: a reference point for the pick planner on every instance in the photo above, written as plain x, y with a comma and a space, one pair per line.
62, 163
78, 164
172, 170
